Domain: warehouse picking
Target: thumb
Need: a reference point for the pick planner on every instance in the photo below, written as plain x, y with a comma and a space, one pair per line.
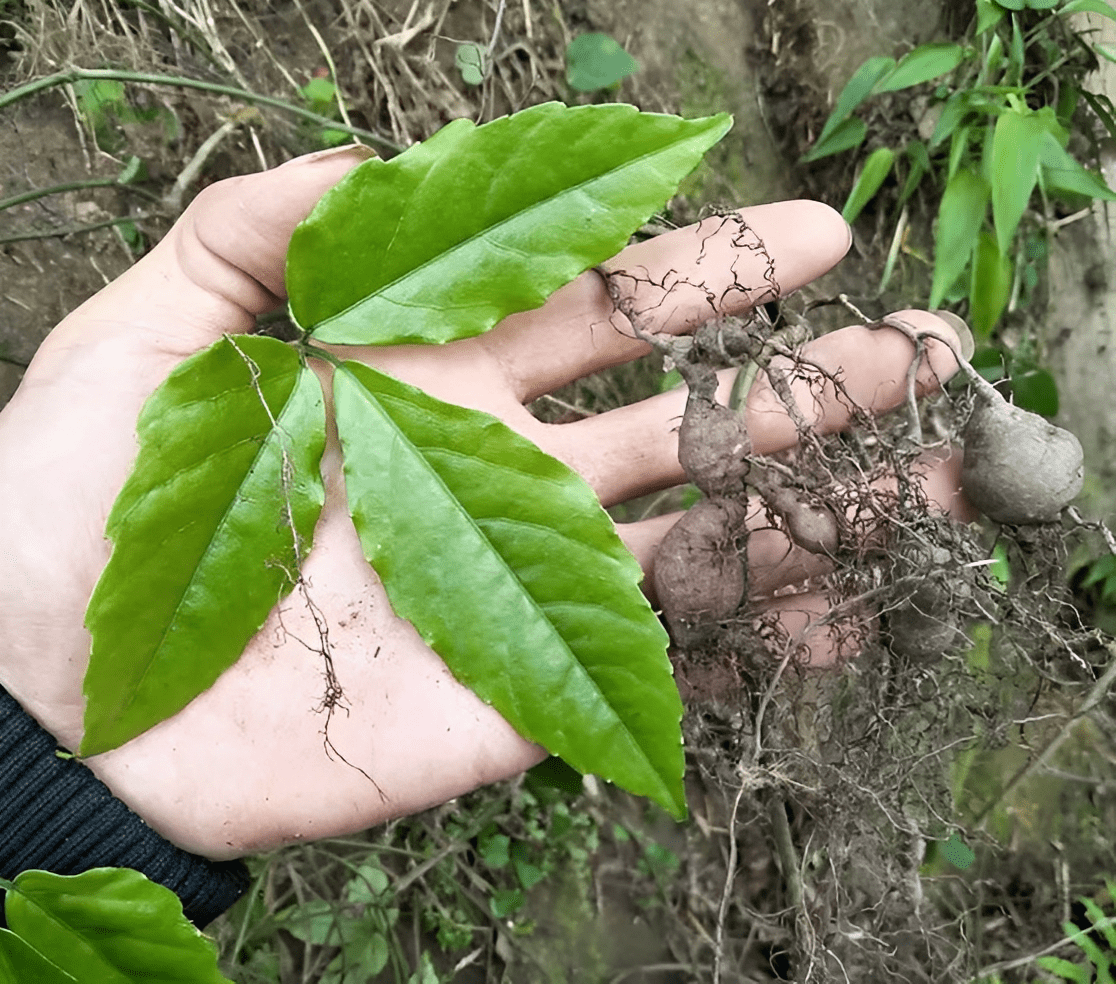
221, 264
233, 238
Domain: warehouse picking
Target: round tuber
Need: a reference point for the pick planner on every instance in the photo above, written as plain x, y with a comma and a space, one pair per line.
1018, 468
699, 572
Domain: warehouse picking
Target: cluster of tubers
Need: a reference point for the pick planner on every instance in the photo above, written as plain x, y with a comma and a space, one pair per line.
1019, 469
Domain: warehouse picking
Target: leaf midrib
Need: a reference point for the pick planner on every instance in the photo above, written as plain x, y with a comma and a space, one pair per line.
458, 507
482, 232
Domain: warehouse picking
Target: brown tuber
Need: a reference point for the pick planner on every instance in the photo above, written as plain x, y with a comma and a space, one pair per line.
1018, 468
699, 572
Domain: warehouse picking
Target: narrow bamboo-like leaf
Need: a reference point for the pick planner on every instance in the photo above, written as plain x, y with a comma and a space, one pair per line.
856, 90
1089, 7
1015, 154
1017, 54
208, 531
476, 223
990, 286
110, 926
21, 963
846, 135
872, 175
1061, 172
1065, 969
989, 14
959, 220
958, 151
1100, 104
919, 167
528, 595
924, 63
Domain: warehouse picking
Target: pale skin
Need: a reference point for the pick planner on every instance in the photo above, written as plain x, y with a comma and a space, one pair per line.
243, 768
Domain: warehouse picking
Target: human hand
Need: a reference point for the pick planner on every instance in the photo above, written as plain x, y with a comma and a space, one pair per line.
244, 767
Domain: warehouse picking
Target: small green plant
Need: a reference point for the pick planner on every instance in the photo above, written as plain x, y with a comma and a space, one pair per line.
597, 61
213, 524
322, 98
472, 62
1100, 960
419, 895
995, 136
106, 109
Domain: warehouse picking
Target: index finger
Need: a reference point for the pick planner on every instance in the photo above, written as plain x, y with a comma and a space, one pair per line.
725, 264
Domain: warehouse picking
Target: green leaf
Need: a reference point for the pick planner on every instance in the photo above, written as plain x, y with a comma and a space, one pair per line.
315, 921
1101, 922
1015, 155
990, 286
596, 61
989, 14
471, 62
1042, 4
953, 112
319, 90
534, 602
425, 974
110, 926
505, 901
1017, 54
872, 175
844, 136
1033, 388
926, 62
21, 963
1060, 172
1100, 104
957, 852
1089, 7
856, 90
494, 850
1065, 969
476, 223
229, 453
960, 217
919, 167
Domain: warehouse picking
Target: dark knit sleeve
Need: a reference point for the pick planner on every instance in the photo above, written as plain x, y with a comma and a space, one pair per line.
55, 815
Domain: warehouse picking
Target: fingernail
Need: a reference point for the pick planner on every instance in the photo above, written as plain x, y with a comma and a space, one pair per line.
964, 333
360, 152
848, 245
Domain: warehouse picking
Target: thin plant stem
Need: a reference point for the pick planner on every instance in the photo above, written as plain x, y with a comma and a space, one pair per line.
36, 193
151, 78
22, 237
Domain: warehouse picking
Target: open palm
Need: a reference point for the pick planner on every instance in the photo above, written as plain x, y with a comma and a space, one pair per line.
245, 766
